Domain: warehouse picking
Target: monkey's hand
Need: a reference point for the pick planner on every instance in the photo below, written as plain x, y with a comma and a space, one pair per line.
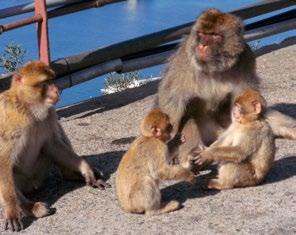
191, 178
13, 218
96, 183
200, 157
101, 184
90, 177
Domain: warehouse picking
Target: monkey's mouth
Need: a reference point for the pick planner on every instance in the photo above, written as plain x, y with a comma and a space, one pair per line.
52, 100
203, 51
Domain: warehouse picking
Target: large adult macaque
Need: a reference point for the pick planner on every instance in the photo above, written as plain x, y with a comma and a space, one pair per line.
209, 69
31, 140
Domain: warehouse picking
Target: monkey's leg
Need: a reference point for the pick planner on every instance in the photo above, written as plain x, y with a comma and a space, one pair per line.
232, 175
11, 208
65, 157
282, 125
165, 208
35, 209
145, 197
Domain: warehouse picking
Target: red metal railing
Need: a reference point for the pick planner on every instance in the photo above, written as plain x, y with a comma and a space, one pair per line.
41, 18
42, 30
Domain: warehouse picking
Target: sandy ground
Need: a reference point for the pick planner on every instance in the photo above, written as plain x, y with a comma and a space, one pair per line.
101, 131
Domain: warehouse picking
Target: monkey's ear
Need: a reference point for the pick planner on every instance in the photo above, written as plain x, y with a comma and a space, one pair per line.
17, 78
257, 107
156, 131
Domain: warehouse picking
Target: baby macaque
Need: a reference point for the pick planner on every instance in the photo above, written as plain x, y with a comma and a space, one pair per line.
246, 149
145, 164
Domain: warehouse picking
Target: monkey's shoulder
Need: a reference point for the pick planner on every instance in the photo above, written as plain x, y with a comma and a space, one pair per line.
147, 148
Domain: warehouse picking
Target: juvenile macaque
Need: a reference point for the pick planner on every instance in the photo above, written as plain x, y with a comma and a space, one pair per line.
144, 165
31, 140
246, 149
212, 66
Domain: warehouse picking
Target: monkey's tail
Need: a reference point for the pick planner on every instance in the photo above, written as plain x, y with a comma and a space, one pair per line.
282, 126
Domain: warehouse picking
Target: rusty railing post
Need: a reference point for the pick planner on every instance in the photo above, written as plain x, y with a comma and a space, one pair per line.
42, 30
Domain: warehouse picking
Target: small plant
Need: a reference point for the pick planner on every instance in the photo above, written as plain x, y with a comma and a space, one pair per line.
116, 82
12, 57
255, 45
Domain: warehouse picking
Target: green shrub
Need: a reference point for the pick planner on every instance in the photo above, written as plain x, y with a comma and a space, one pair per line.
255, 45
121, 81
12, 57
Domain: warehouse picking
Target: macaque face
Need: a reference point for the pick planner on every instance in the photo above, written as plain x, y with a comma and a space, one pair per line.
42, 92
52, 94
34, 84
216, 40
247, 108
237, 113
162, 132
208, 45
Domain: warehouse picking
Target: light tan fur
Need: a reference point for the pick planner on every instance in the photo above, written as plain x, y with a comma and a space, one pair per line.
144, 165
31, 140
246, 149
201, 86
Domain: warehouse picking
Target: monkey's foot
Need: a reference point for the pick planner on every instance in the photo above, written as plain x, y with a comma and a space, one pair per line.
13, 219
40, 209
213, 184
169, 207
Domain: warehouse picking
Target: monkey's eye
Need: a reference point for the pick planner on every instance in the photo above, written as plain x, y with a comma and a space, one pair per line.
45, 84
169, 128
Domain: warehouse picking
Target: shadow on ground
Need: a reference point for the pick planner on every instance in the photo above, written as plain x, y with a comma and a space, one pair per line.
282, 169
108, 102
56, 187
108, 163
286, 108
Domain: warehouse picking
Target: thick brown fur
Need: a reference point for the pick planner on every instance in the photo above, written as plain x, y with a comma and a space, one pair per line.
31, 141
212, 66
144, 165
246, 149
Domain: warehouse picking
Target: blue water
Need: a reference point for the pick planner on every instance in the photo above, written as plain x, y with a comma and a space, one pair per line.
93, 28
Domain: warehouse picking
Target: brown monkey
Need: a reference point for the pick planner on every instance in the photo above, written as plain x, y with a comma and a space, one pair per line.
144, 164
30, 141
246, 149
212, 66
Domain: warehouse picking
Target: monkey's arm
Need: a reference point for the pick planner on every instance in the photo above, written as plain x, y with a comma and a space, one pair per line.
175, 172
66, 158
12, 211
225, 153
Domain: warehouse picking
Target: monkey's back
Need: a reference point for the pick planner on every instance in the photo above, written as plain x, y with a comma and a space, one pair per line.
141, 161
264, 156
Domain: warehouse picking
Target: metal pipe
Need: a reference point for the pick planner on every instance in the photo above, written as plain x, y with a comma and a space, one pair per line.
160, 58
272, 20
20, 23
155, 56
136, 45
29, 7
68, 9
145, 62
270, 30
88, 73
